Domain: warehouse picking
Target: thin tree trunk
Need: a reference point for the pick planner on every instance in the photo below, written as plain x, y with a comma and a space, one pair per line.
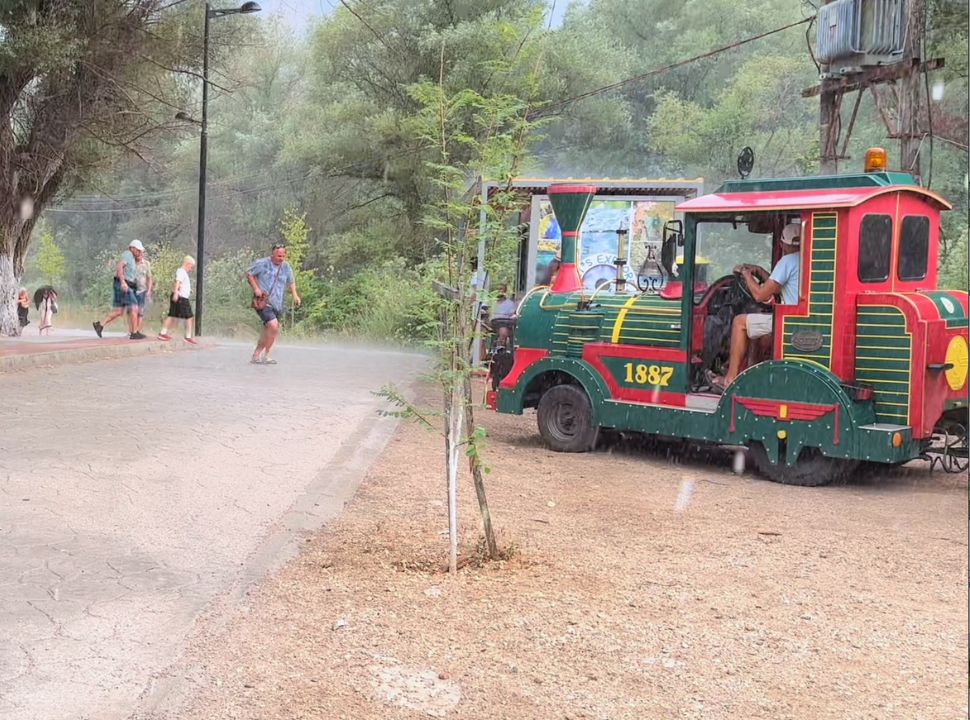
476, 468
454, 453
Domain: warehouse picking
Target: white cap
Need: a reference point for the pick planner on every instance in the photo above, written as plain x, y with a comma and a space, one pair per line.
137, 245
792, 233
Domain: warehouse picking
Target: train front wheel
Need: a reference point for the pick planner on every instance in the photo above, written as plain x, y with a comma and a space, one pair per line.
566, 419
811, 469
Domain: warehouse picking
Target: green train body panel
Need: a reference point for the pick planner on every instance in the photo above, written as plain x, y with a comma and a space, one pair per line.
883, 360
821, 294
845, 428
556, 321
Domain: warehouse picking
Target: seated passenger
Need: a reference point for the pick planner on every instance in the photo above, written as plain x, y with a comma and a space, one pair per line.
783, 280
503, 317
504, 308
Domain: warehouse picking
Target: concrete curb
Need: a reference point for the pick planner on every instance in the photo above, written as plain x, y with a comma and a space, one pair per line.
67, 356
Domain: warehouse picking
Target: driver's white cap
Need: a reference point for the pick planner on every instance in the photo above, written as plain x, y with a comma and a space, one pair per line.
792, 233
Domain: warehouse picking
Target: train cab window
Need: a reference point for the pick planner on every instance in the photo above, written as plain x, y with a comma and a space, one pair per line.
875, 248
914, 246
723, 245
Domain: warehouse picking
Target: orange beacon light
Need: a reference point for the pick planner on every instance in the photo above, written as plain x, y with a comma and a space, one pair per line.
875, 160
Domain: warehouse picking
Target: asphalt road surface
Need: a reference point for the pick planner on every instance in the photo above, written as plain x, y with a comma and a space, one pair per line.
139, 495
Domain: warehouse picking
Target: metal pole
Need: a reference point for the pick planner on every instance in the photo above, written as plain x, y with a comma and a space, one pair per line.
909, 92
203, 157
828, 119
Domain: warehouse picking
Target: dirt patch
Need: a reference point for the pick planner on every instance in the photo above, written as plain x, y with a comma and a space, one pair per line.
642, 584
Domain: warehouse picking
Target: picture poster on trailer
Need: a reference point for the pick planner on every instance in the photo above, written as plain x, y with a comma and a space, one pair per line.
644, 221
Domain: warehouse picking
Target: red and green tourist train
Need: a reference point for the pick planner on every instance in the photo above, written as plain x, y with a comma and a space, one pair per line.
864, 368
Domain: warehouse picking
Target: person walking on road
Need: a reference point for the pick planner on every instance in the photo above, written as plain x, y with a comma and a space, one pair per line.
144, 288
124, 298
267, 277
179, 307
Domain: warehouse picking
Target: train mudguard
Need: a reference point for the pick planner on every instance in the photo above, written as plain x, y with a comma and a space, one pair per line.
789, 404
552, 371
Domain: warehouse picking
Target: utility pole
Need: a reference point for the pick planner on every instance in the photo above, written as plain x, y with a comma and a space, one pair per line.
830, 101
905, 78
910, 85
828, 127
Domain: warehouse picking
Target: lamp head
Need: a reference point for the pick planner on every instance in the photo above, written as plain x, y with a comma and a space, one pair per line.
249, 7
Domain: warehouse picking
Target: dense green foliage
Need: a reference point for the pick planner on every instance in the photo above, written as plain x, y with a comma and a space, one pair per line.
323, 138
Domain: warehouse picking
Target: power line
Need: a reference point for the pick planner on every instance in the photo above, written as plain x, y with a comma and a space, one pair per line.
171, 205
636, 78
150, 194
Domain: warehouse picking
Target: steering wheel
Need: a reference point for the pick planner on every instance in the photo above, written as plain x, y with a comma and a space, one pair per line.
742, 287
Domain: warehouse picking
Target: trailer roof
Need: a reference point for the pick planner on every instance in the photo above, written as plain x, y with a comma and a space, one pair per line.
662, 187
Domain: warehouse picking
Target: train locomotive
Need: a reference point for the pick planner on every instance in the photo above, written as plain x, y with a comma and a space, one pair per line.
868, 366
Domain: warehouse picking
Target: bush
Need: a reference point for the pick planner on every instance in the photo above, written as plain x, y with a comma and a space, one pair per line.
953, 264
227, 297
388, 302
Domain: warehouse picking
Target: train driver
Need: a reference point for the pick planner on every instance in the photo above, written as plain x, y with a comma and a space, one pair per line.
763, 286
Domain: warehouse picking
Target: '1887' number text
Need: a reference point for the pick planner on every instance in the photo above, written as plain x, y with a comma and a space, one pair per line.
640, 374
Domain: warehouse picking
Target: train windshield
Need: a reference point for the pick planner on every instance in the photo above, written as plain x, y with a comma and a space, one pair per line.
725, 244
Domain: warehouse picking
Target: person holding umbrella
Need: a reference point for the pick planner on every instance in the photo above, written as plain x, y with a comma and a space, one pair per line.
45, 300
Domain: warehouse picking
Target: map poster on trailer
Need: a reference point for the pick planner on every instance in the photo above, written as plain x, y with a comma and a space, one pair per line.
643, 219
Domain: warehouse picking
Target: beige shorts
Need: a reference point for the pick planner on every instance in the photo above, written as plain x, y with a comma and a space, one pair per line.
758, 324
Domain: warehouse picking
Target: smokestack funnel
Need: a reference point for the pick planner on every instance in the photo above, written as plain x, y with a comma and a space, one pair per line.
569, 204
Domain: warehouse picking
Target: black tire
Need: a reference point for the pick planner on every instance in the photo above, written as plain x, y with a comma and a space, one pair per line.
812, 469
566, 419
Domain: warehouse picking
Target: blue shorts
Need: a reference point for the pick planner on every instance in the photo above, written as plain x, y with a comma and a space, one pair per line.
269, 313
123, 299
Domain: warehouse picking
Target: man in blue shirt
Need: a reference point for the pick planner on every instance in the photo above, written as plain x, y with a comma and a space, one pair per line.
783, 280
124, 297
267, 277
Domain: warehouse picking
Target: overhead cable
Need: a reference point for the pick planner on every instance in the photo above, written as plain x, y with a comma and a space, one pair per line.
636, 78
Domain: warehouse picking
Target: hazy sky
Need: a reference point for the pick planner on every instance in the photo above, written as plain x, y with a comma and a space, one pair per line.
298, 12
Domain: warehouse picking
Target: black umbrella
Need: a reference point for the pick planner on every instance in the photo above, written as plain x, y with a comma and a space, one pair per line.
39, 294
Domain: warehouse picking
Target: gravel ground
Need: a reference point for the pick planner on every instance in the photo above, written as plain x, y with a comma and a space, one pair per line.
637, 587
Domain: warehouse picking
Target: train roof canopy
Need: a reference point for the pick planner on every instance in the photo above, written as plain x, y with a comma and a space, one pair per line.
831, 191
656, 187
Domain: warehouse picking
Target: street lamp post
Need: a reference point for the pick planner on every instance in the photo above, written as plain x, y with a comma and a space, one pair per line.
244, 9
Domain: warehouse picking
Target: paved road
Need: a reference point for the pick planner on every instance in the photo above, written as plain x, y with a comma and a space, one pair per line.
138, 494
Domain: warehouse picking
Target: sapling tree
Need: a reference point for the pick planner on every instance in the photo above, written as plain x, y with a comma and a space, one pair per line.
468, 136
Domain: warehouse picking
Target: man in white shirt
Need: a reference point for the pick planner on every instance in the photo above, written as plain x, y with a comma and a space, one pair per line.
783, 280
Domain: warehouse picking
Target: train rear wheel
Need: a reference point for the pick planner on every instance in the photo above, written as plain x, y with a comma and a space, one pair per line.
812, 469
566, 419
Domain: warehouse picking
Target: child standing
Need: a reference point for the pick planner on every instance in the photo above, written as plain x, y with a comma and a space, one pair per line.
23, 307
180, 308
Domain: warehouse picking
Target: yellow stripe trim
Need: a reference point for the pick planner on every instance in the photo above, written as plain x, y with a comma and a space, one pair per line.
621, 316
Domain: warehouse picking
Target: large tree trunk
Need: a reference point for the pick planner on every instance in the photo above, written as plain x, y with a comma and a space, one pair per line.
9, 284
